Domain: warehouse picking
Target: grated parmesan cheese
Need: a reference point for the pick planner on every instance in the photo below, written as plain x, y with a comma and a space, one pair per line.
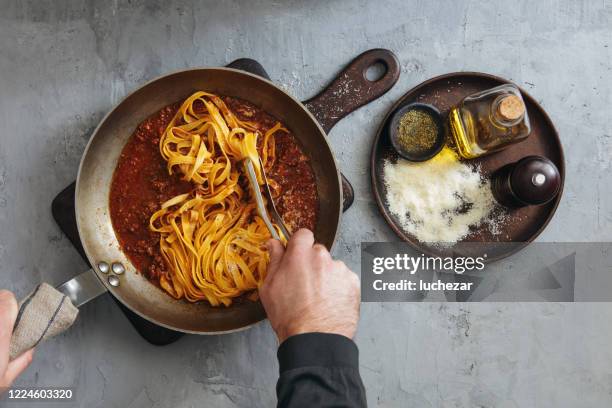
440, 199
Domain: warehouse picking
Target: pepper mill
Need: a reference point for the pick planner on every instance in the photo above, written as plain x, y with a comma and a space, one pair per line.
533, 180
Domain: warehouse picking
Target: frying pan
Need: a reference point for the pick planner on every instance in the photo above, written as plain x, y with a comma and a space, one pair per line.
308, 121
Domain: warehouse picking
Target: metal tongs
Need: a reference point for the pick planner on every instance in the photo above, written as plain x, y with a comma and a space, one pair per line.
261, 206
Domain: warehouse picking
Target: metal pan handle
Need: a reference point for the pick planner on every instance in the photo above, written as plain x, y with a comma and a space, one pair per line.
83, 288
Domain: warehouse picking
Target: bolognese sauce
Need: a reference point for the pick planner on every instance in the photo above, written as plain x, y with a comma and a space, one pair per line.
141, 183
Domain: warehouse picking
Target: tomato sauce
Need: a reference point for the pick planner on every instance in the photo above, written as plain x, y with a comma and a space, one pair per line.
141, 183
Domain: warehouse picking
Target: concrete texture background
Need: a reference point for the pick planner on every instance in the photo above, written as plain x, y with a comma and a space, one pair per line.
63, 65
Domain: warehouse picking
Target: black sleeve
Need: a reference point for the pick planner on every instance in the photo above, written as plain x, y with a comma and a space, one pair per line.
319, 370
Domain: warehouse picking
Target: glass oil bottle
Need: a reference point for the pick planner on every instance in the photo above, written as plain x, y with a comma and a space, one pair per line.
489, 121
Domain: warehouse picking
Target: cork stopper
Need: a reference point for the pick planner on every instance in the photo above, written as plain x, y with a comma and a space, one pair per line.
511, 108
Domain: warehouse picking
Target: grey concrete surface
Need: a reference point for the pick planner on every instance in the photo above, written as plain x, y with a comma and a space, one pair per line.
64, 64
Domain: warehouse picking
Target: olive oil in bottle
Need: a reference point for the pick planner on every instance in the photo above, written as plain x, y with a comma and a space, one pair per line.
489, 121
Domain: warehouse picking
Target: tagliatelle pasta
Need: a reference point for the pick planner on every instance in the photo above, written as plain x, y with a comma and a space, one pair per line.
212, 238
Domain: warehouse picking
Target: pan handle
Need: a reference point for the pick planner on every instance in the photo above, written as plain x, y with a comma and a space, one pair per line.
47, 312
83, 288
352, 89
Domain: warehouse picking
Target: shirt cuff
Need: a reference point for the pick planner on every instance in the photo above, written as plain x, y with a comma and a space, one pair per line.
317, 350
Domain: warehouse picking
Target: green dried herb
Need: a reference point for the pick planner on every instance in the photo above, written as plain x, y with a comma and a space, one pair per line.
417, 131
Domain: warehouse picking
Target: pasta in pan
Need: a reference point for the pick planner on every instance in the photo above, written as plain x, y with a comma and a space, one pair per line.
212, 238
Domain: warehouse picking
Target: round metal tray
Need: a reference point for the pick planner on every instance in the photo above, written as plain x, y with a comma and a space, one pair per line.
522, 225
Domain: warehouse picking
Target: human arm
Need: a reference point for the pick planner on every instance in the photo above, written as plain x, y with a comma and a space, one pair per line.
312, 302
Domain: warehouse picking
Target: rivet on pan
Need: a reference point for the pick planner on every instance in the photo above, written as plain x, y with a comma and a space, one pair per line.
113, 280
118, 268
103, 267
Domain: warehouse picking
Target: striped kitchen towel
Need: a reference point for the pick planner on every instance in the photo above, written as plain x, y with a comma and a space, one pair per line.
45, 313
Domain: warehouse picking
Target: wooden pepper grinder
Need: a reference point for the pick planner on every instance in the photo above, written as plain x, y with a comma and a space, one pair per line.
533, 180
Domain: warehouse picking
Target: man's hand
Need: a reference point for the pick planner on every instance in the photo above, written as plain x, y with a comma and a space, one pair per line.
307, 291
9, 371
